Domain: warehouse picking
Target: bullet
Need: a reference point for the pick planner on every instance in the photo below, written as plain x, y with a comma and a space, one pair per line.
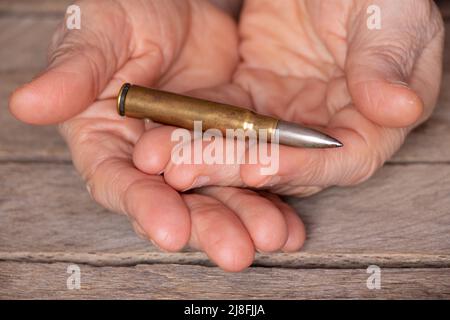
181, 111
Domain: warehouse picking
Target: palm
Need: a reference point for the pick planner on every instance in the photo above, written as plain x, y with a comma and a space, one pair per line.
294, 68
291, 64
99, 137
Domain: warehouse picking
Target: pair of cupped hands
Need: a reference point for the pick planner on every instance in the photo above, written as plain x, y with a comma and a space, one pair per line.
313, 62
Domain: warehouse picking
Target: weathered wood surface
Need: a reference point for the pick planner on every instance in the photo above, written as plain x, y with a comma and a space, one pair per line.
402, 209
399, 220
26, 54
33, 7
24, 42
47, 281
302, 259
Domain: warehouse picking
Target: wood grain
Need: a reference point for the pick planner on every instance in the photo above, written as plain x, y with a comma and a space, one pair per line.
24, 42
37, 8
48, 281
27, 40
399, 220
403, 209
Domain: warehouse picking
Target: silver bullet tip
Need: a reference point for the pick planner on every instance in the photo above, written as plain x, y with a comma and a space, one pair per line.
335, 143
295, 135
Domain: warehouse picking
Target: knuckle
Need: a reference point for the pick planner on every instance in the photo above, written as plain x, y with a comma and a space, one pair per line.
396, 56
56, 40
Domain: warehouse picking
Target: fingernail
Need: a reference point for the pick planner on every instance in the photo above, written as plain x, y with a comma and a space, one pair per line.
147, 124
89, 190
399, 83
269, 181
200, 181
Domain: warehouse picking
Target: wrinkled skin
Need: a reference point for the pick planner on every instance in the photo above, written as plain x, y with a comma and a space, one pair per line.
313, 62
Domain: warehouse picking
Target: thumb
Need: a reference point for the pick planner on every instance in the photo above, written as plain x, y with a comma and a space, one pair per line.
380, 63
81, 64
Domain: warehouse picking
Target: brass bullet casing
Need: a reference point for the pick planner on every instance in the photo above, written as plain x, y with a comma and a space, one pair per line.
181, 111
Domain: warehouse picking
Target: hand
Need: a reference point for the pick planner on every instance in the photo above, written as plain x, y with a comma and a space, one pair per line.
178, 46
317, 63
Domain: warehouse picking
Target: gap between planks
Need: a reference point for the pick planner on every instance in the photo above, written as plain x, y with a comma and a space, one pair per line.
299, 260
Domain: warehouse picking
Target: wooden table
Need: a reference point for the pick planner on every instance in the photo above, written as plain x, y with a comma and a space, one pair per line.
399, 220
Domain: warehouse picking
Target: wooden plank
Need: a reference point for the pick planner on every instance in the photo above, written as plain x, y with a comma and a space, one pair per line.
51, 209
14, 7
49, 281
402, 210
24, 42
21, 142
26, 56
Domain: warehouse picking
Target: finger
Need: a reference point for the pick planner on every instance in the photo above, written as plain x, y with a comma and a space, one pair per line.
188, 163
218, 161
296, 228
167, 222
218, 164
152, 152
263, 220
219, 233
366, 147
81, 63
380, 63
110, 48
101, 151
